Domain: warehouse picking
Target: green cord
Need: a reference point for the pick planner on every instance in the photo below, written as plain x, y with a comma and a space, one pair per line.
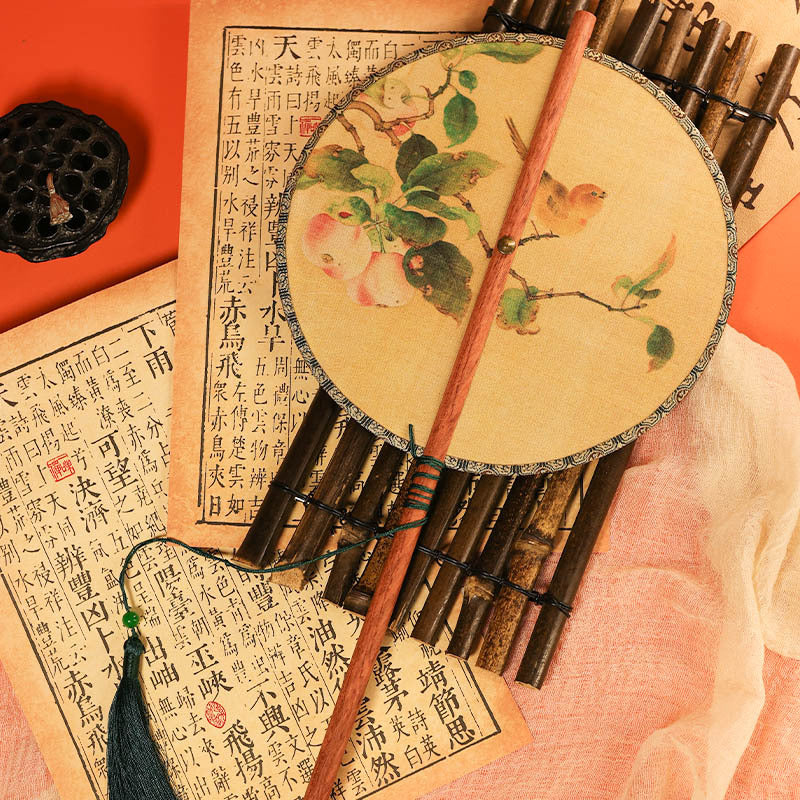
419, 497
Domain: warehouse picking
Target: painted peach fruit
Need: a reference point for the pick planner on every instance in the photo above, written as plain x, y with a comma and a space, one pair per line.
341, 251
383, 282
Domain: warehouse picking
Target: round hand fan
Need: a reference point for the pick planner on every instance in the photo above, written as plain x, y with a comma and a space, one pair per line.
620, 286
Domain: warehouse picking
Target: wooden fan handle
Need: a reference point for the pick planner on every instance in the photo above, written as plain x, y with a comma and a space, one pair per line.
450, 407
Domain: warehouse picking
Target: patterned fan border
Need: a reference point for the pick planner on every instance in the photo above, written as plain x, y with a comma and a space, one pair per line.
590, 453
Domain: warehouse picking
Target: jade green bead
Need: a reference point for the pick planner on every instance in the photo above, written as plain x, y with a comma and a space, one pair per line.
130, 619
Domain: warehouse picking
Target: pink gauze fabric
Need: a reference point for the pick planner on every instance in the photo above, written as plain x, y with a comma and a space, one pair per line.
677, 677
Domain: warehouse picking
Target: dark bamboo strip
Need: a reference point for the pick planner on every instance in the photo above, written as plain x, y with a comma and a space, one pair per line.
449, 494
480, 592
366, 509
644, 24
705, 59
727, 85
743, 154
336, 483
572, 565
259, 544
543, 13
357, 599
671, 48
606, 14
531, 548
466, 541
511, 7
565, 14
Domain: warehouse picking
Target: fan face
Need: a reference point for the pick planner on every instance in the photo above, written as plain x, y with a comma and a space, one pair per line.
620, 287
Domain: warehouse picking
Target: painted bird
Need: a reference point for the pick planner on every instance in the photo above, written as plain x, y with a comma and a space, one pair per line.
562, 211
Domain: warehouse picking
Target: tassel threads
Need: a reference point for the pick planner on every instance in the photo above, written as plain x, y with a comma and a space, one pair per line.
135, 769
59, 207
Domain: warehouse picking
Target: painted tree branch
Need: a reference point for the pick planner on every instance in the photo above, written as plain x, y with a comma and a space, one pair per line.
487, 248
534, 237
351, 129
531, 295
387, 126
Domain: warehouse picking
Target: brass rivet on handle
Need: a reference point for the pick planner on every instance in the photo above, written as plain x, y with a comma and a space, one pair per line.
506, 245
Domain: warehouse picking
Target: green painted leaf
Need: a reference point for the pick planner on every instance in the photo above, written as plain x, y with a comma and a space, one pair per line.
517, 312
460, 118
375, 239
377, 177
450, 173
414, 228
511, 52
350, 211
305, 181
662, 265
468, 79
660, 346
646, 294
442, 274
429, 201
411, 152
622, 283
333, 165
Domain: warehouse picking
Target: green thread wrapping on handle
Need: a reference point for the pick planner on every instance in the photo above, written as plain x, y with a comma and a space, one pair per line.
419, 497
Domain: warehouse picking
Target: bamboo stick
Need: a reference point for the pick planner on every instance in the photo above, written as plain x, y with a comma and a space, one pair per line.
542, 14
259, 544
727, 85
316, 523
511, 7
743, 154
480, 592
706, 55
534, 544
449, 578
358, 598
449, 494
455, 394
636, 43
565, 14
607, 12
572, 565
366, 509
671, 47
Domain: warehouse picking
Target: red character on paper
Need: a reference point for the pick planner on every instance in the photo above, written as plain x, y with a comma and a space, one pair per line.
215, 713
60, 467
308, 125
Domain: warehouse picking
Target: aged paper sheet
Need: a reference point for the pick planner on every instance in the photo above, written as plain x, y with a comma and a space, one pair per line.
260, 77
240, 674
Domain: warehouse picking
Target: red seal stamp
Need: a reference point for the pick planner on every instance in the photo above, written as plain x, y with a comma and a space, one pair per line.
308, 125
215, 713
60, 467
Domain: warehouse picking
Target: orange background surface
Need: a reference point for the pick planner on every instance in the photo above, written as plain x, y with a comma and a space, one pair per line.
126, 62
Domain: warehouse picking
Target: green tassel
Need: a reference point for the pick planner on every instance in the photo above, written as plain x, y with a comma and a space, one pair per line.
135, 769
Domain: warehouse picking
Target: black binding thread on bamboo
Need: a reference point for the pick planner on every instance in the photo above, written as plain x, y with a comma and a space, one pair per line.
512, 24
737, 111
378, 532
673, 86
